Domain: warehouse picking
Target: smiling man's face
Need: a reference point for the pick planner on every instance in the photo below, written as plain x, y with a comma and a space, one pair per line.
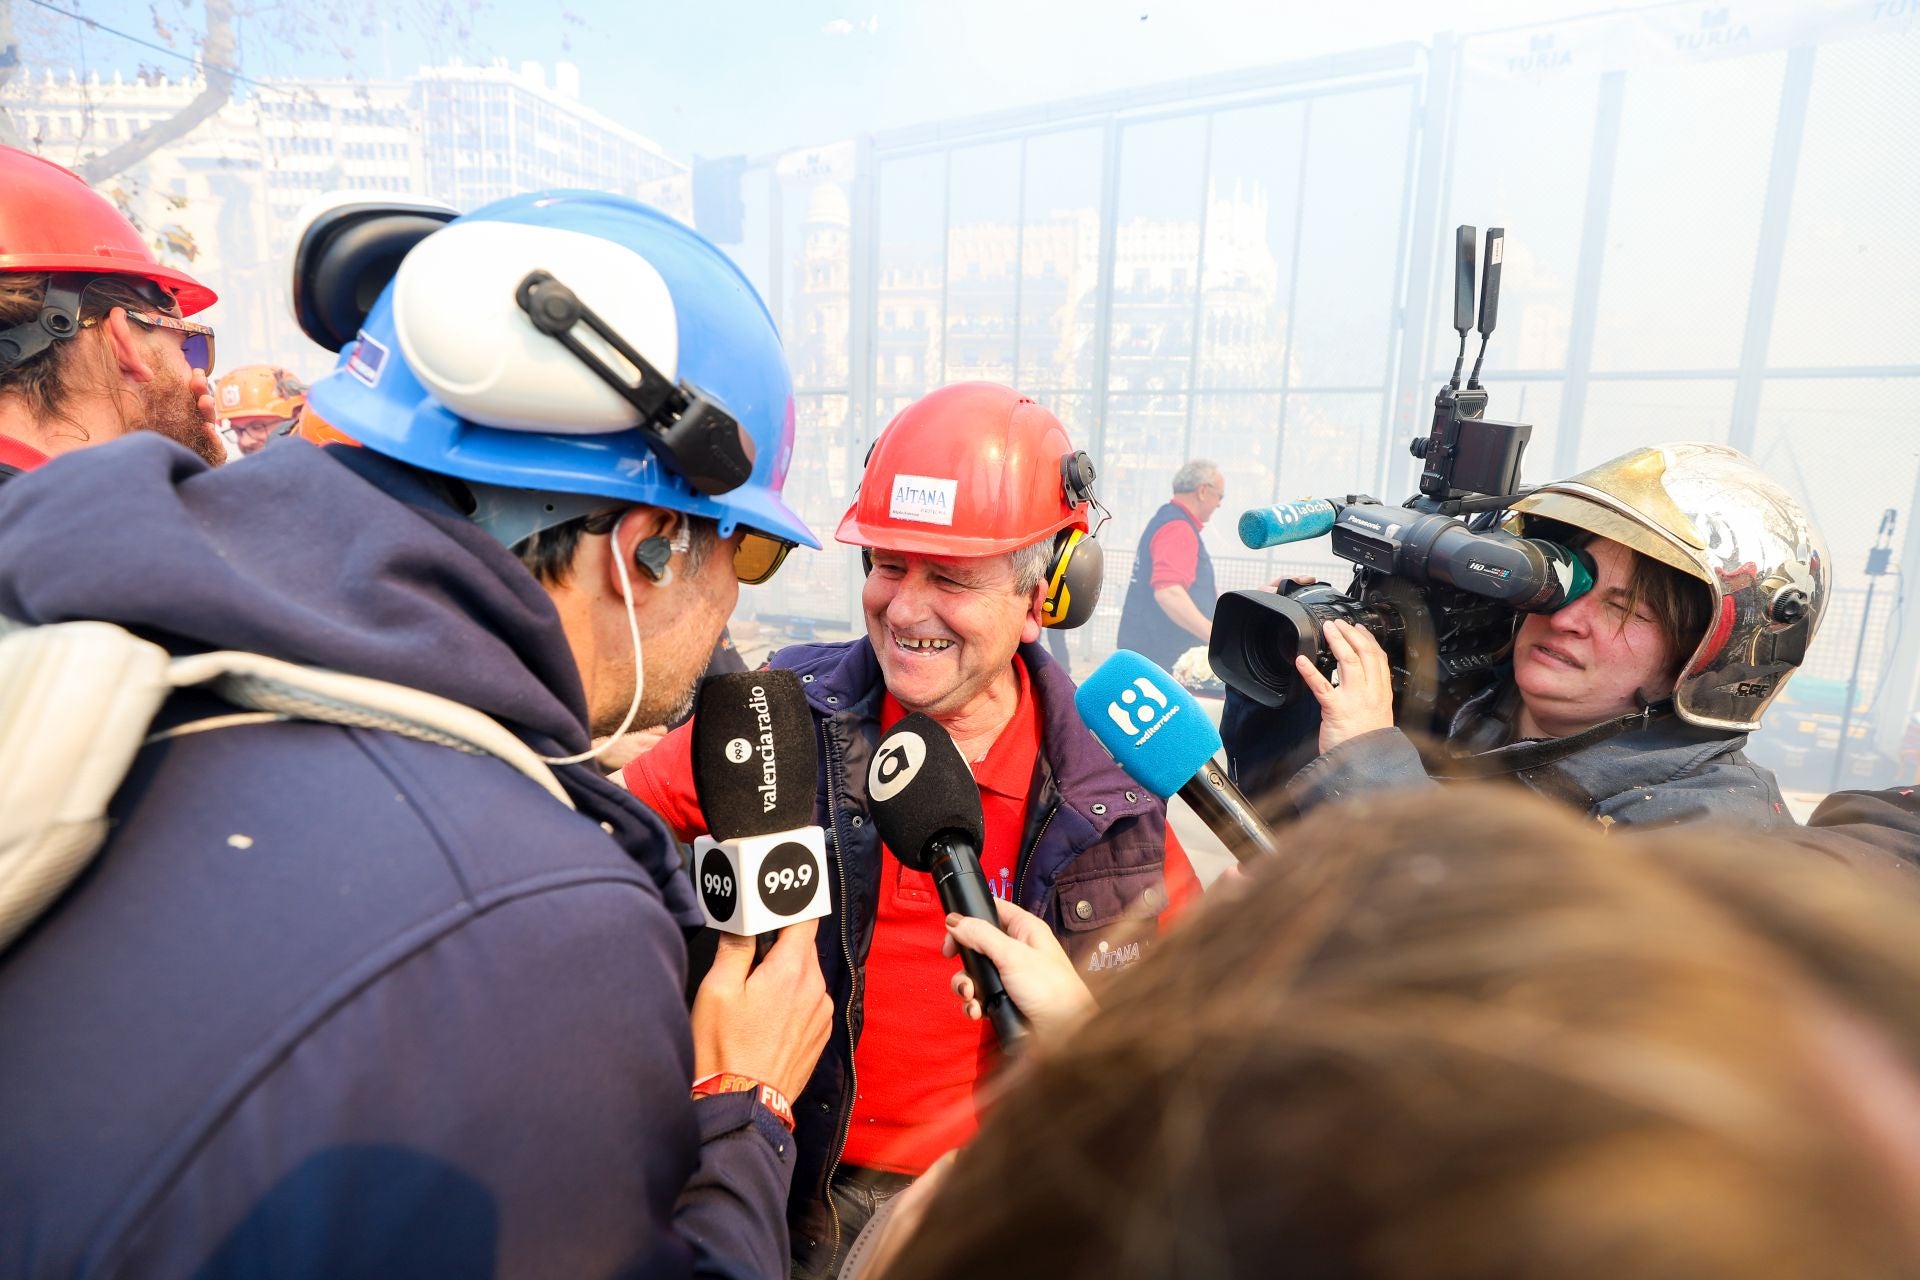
944, 628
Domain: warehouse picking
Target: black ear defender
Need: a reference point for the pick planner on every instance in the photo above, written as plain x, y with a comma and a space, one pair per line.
348, 254
1078, 566
1073, 580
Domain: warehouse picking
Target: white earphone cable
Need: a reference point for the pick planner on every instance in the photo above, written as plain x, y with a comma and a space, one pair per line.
639, 671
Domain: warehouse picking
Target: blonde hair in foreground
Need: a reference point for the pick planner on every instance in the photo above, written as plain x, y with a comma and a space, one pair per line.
1461, 1034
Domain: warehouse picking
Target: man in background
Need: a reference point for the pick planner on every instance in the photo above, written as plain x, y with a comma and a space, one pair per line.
1171, 596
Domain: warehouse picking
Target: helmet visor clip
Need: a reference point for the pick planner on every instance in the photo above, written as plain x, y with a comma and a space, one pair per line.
705, 444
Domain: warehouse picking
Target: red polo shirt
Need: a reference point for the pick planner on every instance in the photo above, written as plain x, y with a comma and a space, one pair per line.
919, 1059
1175, 550
14, 453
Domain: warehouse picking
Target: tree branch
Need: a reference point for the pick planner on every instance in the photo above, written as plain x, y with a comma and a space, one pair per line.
216, 57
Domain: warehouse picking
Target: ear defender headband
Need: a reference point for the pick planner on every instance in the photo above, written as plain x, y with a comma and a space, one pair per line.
705, 444
59, 319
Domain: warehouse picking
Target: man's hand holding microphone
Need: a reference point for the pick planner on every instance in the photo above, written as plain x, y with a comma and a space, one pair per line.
761, 872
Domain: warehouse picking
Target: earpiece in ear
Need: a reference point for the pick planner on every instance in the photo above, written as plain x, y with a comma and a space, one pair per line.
652, 556
1073, 580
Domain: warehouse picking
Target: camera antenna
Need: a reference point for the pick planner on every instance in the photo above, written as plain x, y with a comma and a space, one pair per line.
1463, 246
1489, 301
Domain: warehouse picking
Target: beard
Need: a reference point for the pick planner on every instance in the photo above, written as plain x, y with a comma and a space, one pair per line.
169, 408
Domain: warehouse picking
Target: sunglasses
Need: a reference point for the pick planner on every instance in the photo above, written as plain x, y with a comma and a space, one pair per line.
759, 557
196, 346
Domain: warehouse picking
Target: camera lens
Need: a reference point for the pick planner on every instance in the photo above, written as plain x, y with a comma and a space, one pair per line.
1258, 634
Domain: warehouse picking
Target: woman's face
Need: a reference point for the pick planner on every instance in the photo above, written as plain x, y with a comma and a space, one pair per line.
1592, 660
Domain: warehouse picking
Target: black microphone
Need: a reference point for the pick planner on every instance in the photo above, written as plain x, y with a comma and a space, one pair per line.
927, 808
763, 864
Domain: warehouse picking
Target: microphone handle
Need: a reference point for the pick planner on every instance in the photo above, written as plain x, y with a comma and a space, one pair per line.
963, 890
1228, 813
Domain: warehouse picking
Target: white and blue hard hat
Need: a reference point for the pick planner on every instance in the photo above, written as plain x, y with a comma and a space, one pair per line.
565, 351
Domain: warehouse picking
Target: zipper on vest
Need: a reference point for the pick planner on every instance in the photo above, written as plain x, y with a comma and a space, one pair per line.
1026, 859
853, 985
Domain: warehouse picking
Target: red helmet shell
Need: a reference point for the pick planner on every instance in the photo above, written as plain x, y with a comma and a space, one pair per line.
51, 220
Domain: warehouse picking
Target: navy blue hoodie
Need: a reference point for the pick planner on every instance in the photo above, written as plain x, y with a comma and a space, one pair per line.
333, 1002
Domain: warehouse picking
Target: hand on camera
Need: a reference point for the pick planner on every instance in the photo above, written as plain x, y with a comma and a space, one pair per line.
1363, 700
768, 1022
1040, 978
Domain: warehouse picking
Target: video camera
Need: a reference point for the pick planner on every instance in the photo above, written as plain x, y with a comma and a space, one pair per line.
1441, 594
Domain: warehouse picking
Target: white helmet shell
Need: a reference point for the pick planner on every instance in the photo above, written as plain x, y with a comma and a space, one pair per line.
477, 352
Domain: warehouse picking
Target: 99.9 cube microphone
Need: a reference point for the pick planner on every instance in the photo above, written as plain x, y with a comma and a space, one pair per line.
764, 865
926, 806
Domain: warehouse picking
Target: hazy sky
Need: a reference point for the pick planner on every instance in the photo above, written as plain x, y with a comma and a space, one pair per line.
726, 76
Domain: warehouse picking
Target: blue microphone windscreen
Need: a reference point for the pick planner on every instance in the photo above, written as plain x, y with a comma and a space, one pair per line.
1153, 728
1288, 522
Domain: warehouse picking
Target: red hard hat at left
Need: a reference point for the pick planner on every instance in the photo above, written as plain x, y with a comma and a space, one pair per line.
52, 220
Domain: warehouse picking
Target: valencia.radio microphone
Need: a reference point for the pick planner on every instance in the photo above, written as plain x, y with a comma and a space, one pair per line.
1157, 732
763, 864
927, 808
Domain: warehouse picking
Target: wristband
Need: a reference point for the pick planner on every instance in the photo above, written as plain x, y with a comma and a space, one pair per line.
726, 1082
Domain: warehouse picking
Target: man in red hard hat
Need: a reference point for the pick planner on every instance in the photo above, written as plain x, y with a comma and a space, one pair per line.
94, 340
974, 514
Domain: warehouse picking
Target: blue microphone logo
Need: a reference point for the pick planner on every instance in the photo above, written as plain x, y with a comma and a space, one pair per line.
1138, 708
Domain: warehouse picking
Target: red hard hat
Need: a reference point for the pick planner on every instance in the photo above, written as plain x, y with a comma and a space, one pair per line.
974, 469
51, 220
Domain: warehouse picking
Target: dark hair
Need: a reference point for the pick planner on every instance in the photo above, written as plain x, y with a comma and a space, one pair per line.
43, 381
1679, 603
1462, 1034
549, 553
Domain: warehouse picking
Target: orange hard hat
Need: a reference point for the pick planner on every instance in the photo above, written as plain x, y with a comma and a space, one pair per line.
259, 391
51, 220
974, 469
317, 430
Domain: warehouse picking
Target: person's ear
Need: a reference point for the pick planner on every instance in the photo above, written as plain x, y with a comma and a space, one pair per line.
129, 354
1031, 626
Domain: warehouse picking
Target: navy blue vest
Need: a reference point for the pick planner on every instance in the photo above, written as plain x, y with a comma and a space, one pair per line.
1144, 625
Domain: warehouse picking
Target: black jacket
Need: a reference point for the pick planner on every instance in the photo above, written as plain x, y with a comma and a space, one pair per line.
337, 1003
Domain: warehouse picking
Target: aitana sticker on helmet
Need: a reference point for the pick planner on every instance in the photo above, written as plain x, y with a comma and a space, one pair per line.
923, 499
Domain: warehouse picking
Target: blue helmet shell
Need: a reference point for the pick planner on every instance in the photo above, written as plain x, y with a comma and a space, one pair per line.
729, 348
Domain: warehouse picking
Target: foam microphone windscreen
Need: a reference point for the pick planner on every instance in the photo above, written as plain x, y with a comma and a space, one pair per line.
1153, 728
754, 755
920, 786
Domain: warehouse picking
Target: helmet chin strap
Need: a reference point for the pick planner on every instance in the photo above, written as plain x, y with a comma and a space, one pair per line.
639, 672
